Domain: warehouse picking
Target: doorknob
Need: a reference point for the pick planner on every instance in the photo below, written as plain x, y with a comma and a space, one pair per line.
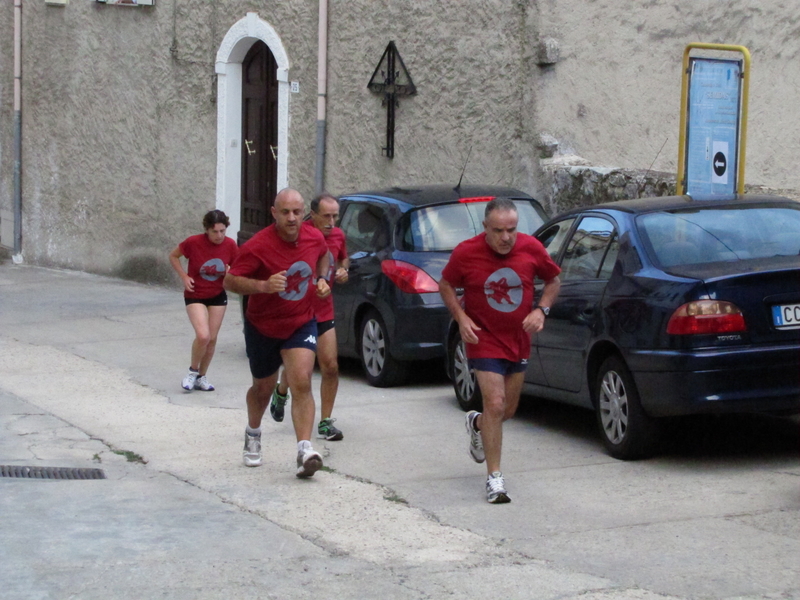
274, 151
249, 150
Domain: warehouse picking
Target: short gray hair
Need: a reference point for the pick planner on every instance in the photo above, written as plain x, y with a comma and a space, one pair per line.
499, 204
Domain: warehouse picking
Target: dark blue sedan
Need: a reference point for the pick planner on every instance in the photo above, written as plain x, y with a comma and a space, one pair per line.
389, 313
668, 306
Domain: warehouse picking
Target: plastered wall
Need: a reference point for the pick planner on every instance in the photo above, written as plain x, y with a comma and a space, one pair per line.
120, 115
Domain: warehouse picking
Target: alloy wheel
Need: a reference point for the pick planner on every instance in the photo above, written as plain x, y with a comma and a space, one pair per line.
613, 407
373, 347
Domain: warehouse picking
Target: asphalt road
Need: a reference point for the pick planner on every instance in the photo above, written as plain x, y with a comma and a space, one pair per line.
90, 372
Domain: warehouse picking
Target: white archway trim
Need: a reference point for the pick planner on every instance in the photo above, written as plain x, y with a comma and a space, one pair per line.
229, 59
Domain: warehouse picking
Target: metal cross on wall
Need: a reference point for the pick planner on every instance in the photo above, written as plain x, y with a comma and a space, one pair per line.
391, 79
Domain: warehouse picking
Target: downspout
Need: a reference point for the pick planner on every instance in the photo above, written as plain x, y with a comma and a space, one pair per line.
322, 92
17, 256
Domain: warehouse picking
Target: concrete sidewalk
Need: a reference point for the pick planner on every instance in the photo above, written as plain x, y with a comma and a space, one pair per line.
90, 370
89, 374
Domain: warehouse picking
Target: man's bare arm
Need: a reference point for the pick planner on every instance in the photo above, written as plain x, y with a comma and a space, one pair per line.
466, 326
244, 286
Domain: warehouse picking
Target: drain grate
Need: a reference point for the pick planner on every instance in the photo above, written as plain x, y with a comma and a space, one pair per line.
50, 473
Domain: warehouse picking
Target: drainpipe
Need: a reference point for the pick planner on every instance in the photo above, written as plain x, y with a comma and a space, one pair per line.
17, 257
322, 92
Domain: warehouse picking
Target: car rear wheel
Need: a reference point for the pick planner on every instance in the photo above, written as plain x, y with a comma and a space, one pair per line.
628, 433
381, 369
465, 384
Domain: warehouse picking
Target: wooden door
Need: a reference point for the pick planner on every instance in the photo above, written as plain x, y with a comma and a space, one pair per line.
259, 139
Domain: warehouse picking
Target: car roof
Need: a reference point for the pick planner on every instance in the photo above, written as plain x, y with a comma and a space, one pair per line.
658, 203
423, 195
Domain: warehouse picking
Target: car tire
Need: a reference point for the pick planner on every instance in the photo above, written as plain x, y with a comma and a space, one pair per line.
628, 433
468, 394
380, 367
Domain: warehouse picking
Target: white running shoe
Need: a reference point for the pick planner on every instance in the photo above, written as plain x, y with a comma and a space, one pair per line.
496, 489
252, 450
203, 384
309, 461
475, 439
190, 379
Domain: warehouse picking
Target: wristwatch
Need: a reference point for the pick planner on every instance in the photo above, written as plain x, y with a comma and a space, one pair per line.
544, 309
325, 279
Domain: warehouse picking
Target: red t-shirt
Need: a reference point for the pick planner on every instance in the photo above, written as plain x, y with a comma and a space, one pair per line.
279, 315
337, 251
498, 292
208, 263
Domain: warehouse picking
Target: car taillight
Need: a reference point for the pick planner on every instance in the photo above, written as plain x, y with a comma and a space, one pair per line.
706, 317
409, 278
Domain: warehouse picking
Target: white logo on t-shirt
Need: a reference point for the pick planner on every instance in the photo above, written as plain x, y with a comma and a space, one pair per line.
503, 290
212, 269
297, 279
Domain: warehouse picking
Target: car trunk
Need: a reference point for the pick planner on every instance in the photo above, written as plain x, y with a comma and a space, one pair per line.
755, 286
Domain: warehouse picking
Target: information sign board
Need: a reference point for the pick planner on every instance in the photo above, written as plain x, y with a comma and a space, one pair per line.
712, 146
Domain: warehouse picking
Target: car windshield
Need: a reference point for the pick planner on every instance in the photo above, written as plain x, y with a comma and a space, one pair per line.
723, 233
441, 228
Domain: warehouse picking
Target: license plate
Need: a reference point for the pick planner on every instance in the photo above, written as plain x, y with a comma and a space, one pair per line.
786, 316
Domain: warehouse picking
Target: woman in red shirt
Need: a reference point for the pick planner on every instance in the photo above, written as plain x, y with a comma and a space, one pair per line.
209, 256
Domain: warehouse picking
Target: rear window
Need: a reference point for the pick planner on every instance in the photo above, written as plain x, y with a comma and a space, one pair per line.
724, 233
441, 228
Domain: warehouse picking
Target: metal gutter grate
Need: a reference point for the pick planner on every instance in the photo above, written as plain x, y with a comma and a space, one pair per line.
50, 473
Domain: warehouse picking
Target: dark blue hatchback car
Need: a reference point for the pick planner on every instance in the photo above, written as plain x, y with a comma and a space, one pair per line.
668, 306
390, 313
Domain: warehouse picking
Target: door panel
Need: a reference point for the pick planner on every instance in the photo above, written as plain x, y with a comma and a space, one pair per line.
586, 265
365, 227
259, 139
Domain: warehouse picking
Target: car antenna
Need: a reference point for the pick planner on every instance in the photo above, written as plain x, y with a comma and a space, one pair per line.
458, 186
644, 179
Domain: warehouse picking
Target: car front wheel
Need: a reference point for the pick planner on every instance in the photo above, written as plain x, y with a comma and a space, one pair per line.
380, 368
465, 384
628, 433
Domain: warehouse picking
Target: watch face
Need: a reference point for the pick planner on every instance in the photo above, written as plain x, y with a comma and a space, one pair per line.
545, 310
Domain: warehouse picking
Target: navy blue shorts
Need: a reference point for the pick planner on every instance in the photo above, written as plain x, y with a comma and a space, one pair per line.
498, 365
264, 353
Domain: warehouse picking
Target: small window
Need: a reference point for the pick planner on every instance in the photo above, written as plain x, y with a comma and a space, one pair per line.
591, 251
365, 227
553, 237
441, 227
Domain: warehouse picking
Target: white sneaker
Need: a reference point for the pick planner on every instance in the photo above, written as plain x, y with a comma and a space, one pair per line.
203, 384
309, 461
496, 489
252, 450
475, 439
190, 379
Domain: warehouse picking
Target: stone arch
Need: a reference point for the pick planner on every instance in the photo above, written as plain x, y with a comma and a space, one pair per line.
240, 37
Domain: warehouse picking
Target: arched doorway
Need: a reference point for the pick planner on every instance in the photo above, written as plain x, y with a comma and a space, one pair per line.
260, 140
235, 48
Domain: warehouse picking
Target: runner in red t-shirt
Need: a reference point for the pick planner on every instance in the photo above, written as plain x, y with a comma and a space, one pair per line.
324, 214
281, 269
209, 255
496, 269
